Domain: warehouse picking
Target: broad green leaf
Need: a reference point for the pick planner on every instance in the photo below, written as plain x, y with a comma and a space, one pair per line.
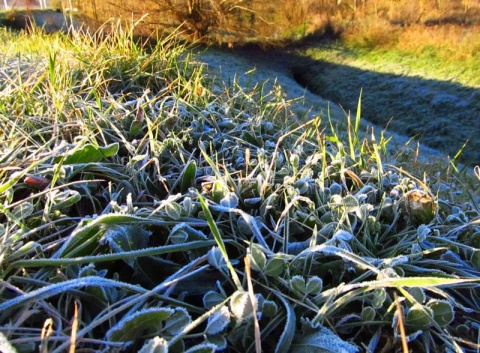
155, 345
296, 247
218, 321
126, 238
146, 322
379, 297
230, 200
90, 154
219, 191
336, 189
179, 237
22, 211
177, 322
258, 258
101, 294
350, 203
211, 298
243, 227
215, 258
294, 160
321, 341
183, 232
188, 206
286, 338
241, 306
173, 210
297, 284
418, 294
368, 313
463, 329
423, 232
218, 340
343, 235
363, 212
252, 201
314, 285
275, 266
443, 312
419, 317
270, 308
188, 177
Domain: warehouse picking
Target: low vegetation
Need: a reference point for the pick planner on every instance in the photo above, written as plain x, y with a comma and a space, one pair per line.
146, 207
426, 51
419, 78
418, 95
269, 21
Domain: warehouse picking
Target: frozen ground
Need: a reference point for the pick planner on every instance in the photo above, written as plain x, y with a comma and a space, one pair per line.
249, 66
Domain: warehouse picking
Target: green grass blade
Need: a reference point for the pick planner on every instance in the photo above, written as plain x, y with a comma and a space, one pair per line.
219, 241
160, 250
288, 333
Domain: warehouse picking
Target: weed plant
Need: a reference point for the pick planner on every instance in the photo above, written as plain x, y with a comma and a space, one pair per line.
148, 208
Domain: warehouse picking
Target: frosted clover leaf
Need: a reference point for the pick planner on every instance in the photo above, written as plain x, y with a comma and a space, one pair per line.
212, 298
155, 345
126, 238
177, 322
241, 306
218, 321
138, 324
317, 338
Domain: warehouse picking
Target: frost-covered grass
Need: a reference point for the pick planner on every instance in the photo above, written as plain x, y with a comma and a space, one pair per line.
416, 89
146, 207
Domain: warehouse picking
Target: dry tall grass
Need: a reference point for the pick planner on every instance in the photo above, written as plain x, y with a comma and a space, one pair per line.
260, 20
449, 42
